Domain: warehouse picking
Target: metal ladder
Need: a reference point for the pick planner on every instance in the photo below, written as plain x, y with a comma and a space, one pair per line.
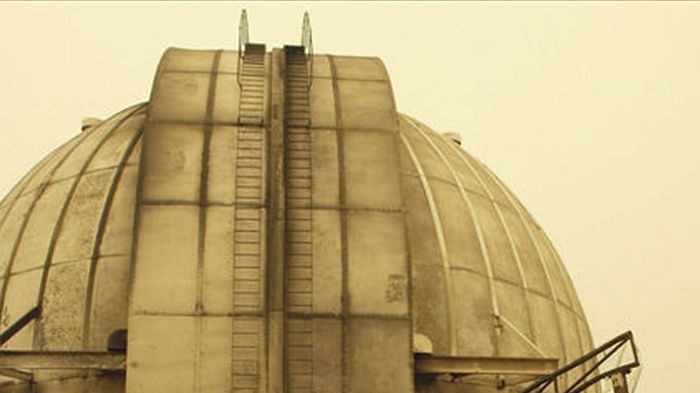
298, 240
251, 79
248, 333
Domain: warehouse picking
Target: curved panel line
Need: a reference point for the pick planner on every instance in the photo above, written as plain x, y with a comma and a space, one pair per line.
30, 211
569, 292
557, 263
69, 177
64, 209
409, 259
204, 180
101, 228
475, 219
540, 258
24, 183
509, 235
160, 70
202, 224
521, 271
576, 309
440, 235
342, 200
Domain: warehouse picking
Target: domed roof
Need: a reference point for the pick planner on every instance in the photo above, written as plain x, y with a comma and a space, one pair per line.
276, 228
65, 238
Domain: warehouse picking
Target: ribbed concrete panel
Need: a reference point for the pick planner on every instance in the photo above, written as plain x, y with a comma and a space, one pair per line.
509, 292
376, 272
57, 218
199, 261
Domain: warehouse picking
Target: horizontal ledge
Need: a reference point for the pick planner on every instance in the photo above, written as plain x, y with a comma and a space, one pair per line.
435, 365
61, 360
260, 314
16, 374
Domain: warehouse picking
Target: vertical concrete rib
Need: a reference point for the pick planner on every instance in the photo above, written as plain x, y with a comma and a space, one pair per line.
207, 130
342, 202
99, 236
204, 180
440, 236
64, 209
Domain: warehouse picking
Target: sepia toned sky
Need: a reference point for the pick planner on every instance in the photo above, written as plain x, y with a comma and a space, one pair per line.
590, 112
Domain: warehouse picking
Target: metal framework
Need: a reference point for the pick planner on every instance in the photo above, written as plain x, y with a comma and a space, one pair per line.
20, 364
593, 375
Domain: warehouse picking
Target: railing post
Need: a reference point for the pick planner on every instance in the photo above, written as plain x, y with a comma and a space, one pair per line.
619, 382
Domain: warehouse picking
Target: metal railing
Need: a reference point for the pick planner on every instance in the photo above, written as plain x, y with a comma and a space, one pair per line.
596, 372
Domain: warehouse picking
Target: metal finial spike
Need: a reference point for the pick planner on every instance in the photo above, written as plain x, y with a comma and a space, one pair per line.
243, 36
307, 43
306, 40
242, 41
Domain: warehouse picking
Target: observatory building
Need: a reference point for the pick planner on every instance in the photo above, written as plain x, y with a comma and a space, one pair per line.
268, 222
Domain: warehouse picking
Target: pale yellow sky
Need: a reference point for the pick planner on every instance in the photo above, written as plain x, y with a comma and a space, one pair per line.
589, 112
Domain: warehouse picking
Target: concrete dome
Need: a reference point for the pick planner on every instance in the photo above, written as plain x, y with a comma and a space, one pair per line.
275, 233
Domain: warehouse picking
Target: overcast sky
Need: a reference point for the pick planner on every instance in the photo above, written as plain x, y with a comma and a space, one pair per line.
589, 112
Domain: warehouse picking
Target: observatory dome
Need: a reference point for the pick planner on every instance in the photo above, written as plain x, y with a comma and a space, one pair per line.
269, 222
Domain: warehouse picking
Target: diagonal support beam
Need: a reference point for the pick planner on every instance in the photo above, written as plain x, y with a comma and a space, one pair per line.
21, 323
595, 373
